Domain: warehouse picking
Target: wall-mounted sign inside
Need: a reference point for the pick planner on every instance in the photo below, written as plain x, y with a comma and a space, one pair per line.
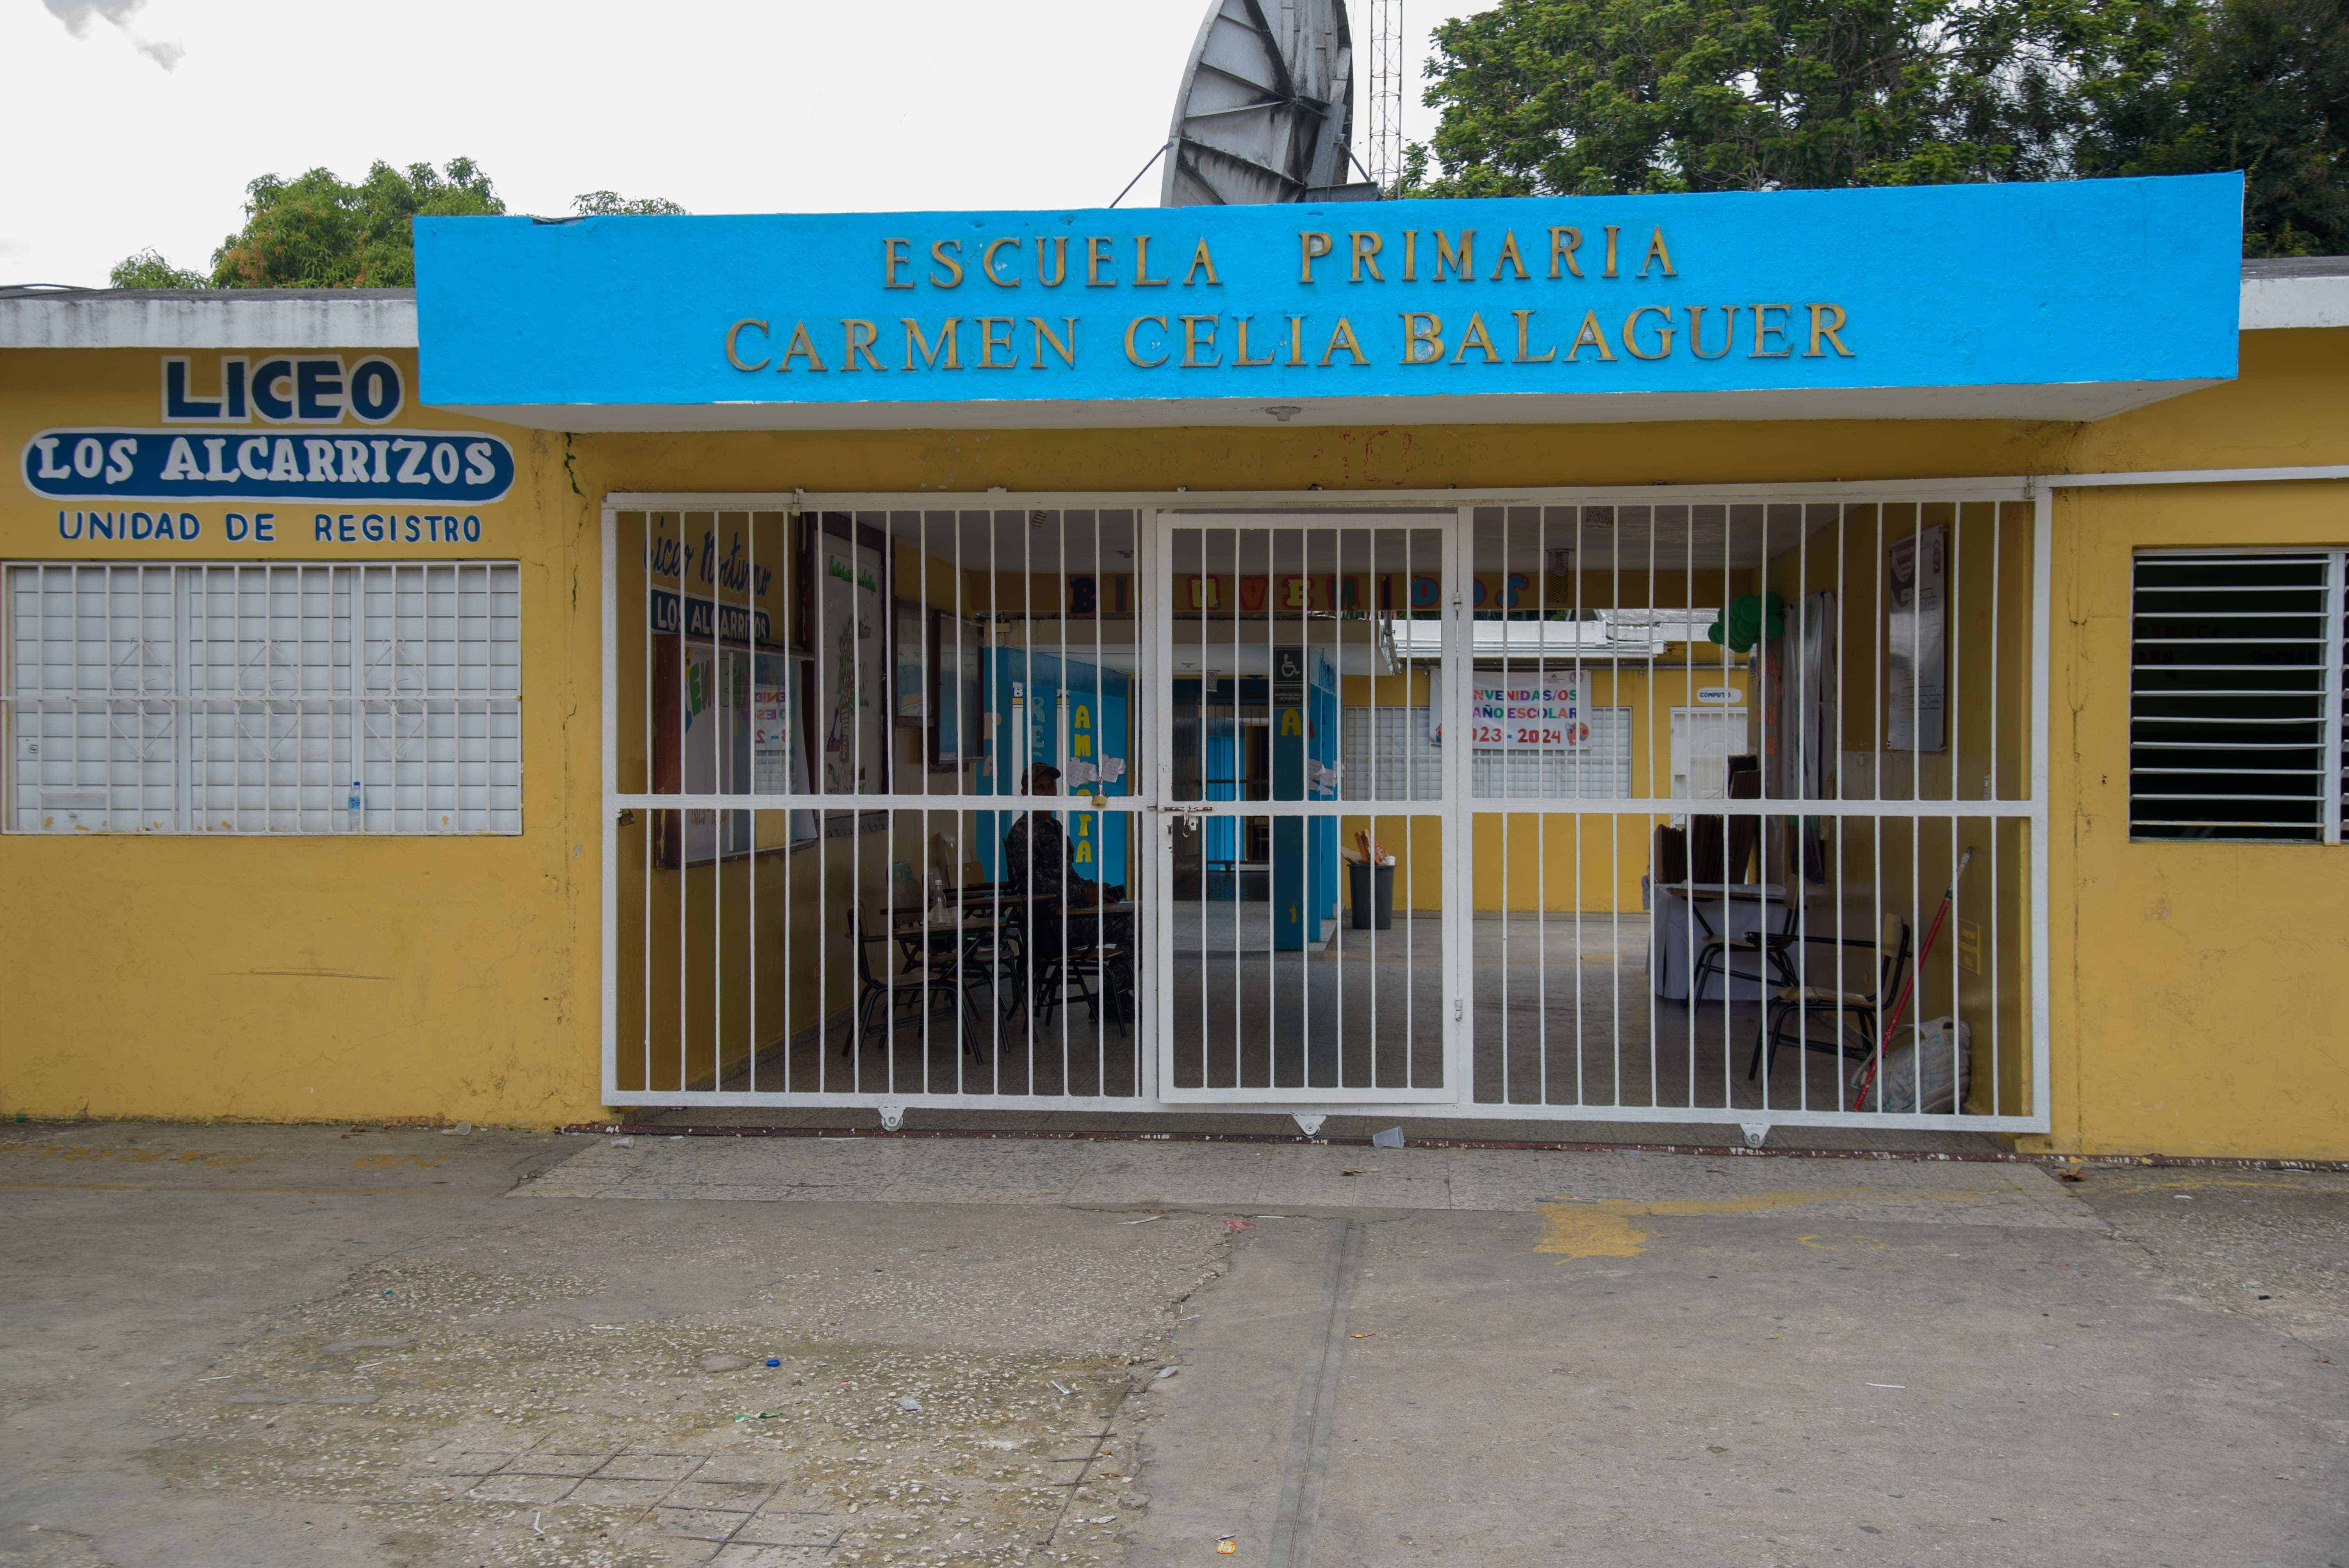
1720, 694
187, 463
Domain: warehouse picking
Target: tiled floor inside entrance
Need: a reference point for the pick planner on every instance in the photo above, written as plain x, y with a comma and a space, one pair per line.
1560, 1003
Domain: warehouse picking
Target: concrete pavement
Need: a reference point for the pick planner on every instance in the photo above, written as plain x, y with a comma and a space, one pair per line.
298, 1344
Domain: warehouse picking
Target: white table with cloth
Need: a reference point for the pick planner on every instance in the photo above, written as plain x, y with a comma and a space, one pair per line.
1683, 916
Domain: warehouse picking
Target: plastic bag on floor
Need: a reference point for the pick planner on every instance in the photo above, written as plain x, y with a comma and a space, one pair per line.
1947, 1047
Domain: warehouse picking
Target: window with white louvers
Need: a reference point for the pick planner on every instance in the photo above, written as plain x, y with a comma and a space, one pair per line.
264, 698
2236, 693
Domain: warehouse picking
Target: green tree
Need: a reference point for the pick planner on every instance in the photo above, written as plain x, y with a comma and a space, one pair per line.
2186, 86
612, 204
316, 231
1596, 97
1588, 97
149, 269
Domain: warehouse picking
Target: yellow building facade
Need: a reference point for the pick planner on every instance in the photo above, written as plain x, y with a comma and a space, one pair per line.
177, 952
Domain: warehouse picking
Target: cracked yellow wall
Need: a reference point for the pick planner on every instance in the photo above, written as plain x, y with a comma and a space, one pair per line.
2196, 987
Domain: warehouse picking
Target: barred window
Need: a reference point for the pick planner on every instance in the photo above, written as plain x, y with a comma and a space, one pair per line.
263, 698
1388, 755
2235, 695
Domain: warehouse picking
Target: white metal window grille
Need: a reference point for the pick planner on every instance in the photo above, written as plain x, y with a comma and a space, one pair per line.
1386, 755
2235, 695
264, 698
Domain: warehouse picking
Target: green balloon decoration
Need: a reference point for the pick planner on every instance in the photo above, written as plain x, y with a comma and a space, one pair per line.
1746, 618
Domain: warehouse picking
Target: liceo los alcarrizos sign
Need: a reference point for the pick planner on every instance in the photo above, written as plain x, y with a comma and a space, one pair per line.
1983, 301
280, 427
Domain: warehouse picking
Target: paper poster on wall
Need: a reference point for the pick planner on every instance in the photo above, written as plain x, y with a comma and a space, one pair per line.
852, 670
713, 746
909, 639
1916, 587
778, 766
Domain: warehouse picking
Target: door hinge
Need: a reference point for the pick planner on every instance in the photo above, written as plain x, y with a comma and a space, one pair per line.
1459, 1008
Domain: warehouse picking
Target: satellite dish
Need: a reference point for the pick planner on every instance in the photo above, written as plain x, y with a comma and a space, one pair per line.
1266, 108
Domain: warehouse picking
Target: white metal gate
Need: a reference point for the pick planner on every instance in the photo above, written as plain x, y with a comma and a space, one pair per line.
824, 886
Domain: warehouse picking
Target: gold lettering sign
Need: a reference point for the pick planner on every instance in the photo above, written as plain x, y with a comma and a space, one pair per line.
1650, 328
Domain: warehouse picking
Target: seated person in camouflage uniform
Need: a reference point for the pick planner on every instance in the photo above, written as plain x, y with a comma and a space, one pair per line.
1038, 858
1042, 885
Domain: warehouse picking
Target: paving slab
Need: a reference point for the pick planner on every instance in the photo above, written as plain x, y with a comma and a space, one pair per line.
301, 1346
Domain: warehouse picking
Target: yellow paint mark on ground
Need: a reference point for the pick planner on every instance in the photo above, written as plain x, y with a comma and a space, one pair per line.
224, 1187
2200, 1184
74, 1151
1604, 1229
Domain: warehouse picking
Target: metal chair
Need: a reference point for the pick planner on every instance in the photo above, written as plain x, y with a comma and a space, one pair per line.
927, 972
1068, 947
1774, 949
1853, 1011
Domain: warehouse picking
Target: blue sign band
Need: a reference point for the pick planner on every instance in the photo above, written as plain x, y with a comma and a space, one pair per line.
2091, 281
462, 466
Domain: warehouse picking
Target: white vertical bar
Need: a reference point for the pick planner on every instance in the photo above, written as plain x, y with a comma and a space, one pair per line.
1617, 846
1099, 734
1688, 699
1758, 667
1153, 588
750, 848
1952, 731
1505, 760
1457, 820
1239, 827
1582, 787
608, 740
965, 824
991, 675
1026, 756
1551, 753
1917, 795
1997, 714
1064, 749
1798, 832
827, 704
1842, 831
1886, 981
1765, 756
2332, 653
1378, 632
684, 845
652, 741
718, 770
2043, 574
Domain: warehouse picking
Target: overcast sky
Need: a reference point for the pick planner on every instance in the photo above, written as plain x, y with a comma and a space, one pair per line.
138, 122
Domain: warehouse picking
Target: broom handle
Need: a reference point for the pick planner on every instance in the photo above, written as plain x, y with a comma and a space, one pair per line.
1908, 984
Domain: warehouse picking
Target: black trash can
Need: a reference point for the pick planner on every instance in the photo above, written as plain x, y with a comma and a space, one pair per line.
1371, 893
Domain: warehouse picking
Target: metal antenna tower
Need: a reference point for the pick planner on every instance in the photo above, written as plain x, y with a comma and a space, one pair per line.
1386, 92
